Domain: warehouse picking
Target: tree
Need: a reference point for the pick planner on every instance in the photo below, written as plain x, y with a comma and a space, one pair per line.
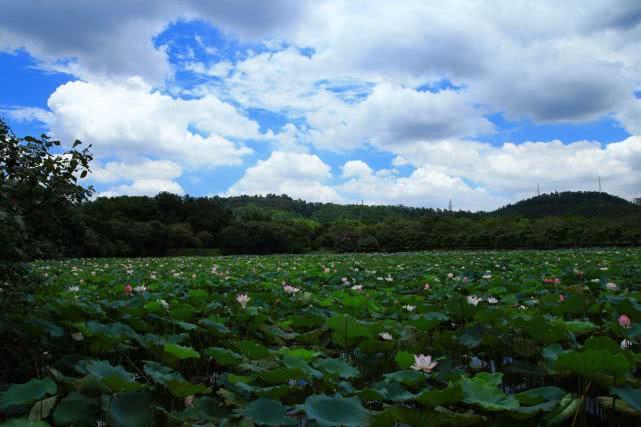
38, 190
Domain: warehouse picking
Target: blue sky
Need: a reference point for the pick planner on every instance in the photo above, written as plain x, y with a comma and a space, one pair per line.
399, 104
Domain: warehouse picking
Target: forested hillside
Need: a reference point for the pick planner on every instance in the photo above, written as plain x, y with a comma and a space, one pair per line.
579, 203
44, 213
167, 224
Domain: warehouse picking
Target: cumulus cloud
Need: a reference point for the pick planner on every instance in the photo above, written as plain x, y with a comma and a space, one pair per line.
131, 120
344, 79
298, 175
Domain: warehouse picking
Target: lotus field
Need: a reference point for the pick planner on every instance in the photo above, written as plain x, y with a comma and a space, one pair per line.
420, 339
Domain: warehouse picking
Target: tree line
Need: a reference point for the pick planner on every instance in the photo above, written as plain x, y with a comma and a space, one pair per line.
44, 213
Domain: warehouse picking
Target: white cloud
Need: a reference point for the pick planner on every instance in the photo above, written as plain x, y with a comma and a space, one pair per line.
356, 168
130, 120
145, 169
567, 62
298, 175
143, 187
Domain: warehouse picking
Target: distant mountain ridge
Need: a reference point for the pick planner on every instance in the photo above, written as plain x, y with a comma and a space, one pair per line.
571, 203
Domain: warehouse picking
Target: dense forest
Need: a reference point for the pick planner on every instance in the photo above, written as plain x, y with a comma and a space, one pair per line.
48, 215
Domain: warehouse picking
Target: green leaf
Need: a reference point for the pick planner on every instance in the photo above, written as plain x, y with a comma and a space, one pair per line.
337, 367
629, 395
404, 359
540, 395
205, 410
407, 377
19, 397
268, 412
116, 378
433, 398
184, 388
224, 356
181, 352
252, 349
593, 363
302, 353
130, 409
161, 374
567, 408
335, 411
483, 390
76, 409
281, 375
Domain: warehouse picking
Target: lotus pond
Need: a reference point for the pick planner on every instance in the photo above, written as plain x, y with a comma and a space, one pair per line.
420, 339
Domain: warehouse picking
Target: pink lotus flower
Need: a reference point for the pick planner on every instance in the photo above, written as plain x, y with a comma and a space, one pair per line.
242, 299
624, 321
426, 287
561, 298
423, 363
128, 289
289, 289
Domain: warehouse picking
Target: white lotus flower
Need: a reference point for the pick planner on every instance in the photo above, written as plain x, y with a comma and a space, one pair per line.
357, 287
77, 336
474, 300
423, 363
242, 299
289, 289
492, 300
164, 304
388, 278
611, 286
73, 288
450, 275
140, 289
596, 280
386, 336
626, 344
487, 276
409, 307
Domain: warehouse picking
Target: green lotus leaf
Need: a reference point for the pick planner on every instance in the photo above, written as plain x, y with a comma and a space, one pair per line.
18, 398
77, 410
592, 363
631, 396
335, 411
252, 349
161, 374
216, 328
407, 377
433, 398
181, 352
282, 375
116, 378
337, 367
483, 390
129, 409
540, 394
302, 353
427, 322
567, 408
223, 356
268, 412
204, 410
404, 359
180, 388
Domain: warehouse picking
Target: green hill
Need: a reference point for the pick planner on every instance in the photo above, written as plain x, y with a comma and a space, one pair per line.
571, 203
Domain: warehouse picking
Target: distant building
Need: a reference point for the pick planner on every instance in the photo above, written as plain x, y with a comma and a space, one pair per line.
637, 201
